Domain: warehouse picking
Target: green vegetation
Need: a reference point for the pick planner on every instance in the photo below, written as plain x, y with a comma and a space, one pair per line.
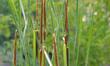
87, 32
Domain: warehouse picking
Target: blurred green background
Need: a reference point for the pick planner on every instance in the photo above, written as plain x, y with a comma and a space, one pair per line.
93, 28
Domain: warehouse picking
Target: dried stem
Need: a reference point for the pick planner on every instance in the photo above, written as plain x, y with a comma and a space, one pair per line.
15, 42
44, 19
66, 21
41, 23
66, 30
40, 57
55, 49
66, 16
67, 51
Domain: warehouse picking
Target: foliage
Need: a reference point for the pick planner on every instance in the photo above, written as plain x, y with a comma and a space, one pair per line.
89, 30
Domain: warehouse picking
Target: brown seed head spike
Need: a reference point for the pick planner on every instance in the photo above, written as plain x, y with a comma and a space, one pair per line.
66, 22
66, 16
44, 19
41, 23
15, 42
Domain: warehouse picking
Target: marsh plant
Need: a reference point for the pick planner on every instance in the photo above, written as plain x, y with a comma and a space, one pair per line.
59, 32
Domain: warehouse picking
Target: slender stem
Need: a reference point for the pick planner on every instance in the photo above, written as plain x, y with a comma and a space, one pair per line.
37, 12
65, 52
35, 46
66, 30
66, 16
25, 19
44, 19
47, 57
41, 23
66, 21
77, 35
55, 49
43, 58
40, 57
15, 42
90, 37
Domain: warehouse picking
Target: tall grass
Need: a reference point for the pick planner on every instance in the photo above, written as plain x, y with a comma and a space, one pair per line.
76, 43
90, 36
56, 17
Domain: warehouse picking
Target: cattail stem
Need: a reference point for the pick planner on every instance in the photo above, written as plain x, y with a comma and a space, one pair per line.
41, 23
66, 30
66, 21
44, 19
15, 42
65, 53
43, 58
66, 16
40, 57
67, 50
55, 49
36, 8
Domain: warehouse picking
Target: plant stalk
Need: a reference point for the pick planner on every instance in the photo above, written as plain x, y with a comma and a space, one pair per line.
55, 49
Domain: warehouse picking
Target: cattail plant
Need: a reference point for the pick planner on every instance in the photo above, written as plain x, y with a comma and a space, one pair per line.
65, 52
41, 32
14, 52
66, 30
44, 7
66, 21
41, 23
43, 29
55, 50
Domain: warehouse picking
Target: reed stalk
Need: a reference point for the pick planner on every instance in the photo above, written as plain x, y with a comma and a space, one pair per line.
44, 19
41, 23
15, 47
55, 50
41, 57
34, 46
65, 53
66, 21
66, 30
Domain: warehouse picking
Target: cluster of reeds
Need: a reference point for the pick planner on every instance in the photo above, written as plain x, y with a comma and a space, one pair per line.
41, 53
33, 41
